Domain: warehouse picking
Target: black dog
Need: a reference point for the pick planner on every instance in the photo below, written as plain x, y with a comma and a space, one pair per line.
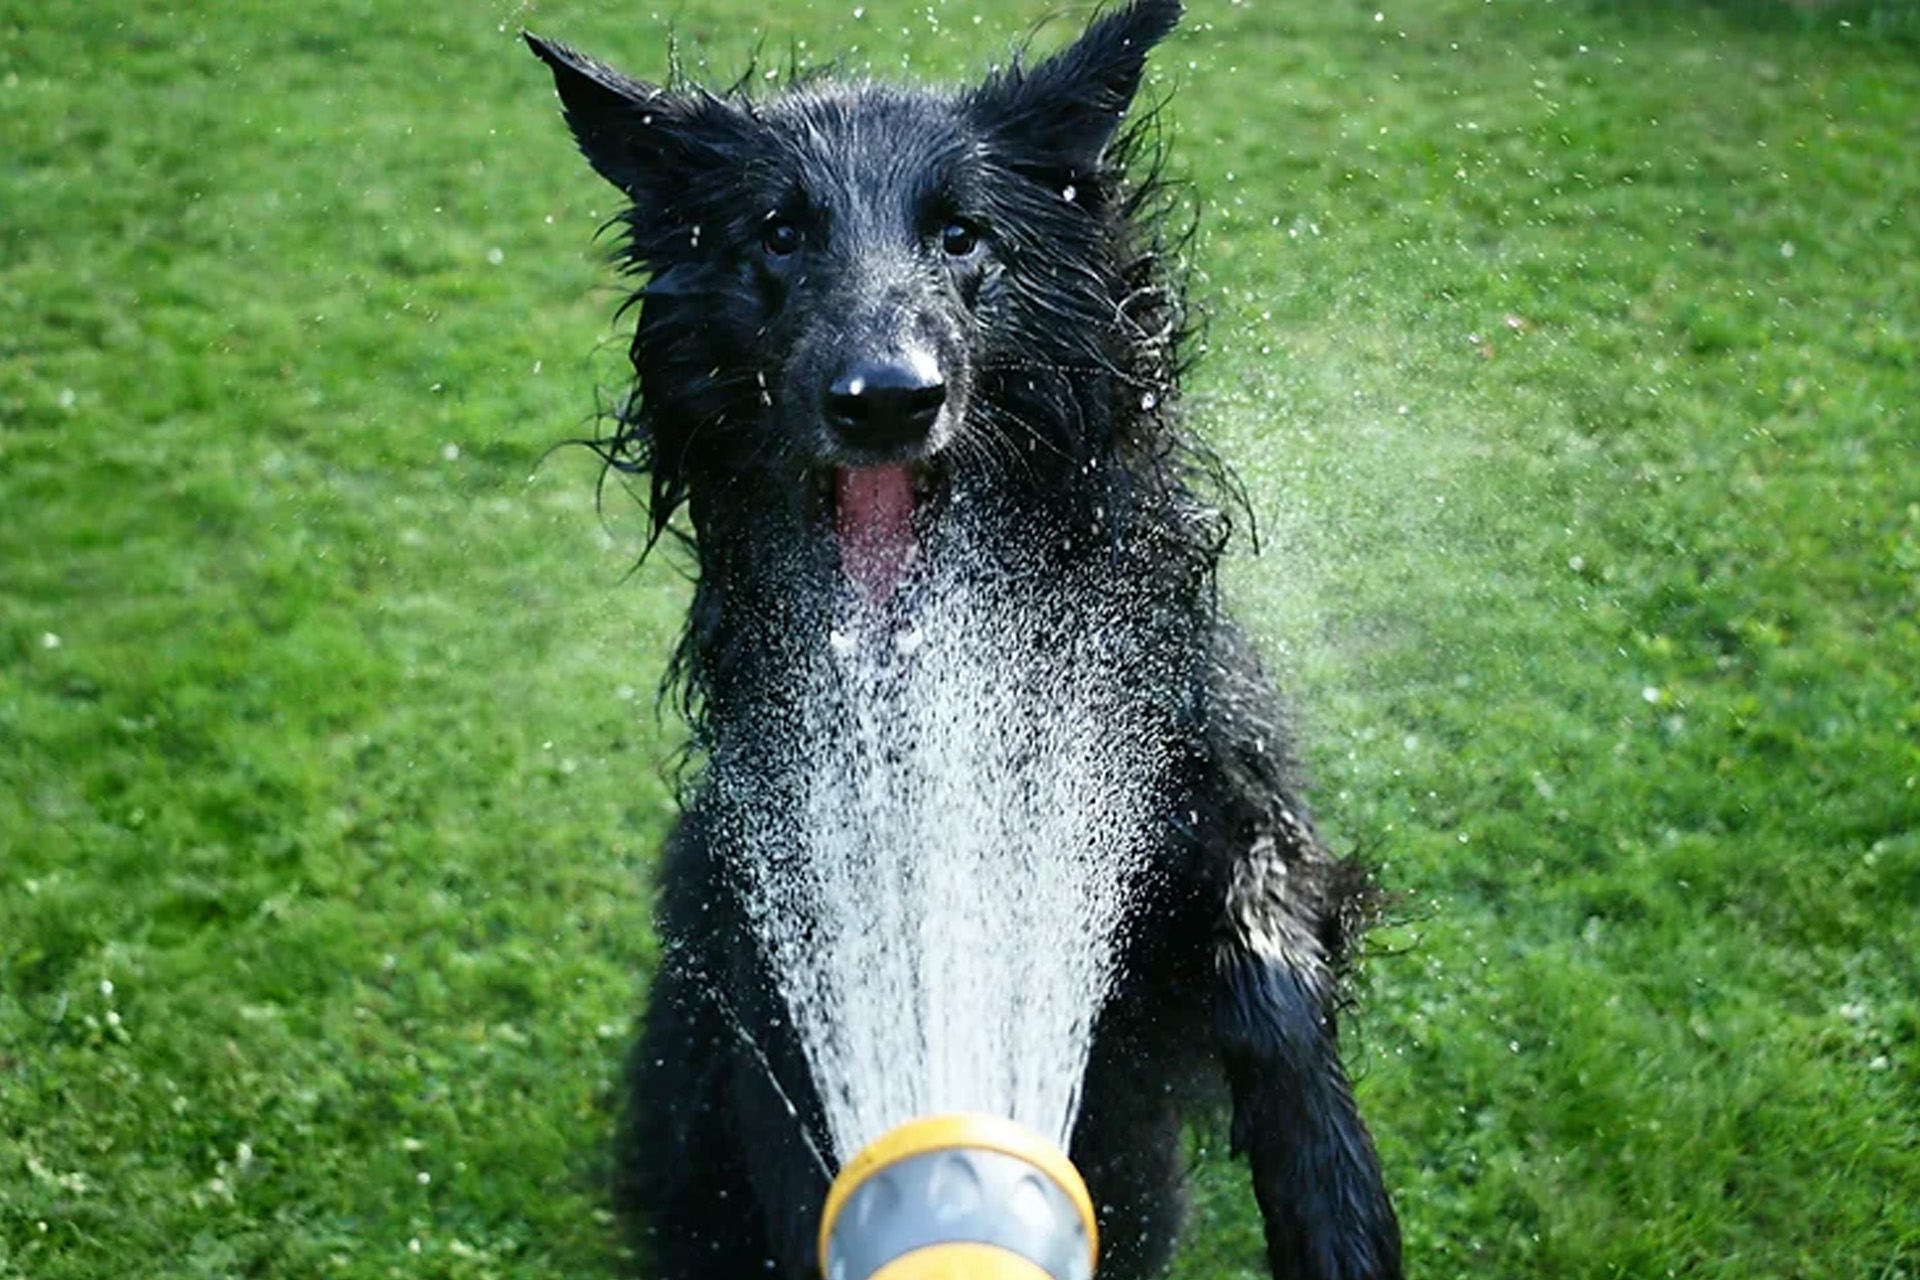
863, 306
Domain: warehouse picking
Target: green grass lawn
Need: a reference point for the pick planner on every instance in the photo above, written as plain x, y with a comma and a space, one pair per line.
1570, 351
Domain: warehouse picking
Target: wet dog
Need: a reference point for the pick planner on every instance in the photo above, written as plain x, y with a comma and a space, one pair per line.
862, 308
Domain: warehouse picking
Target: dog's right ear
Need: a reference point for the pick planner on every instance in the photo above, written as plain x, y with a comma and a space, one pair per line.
643, 139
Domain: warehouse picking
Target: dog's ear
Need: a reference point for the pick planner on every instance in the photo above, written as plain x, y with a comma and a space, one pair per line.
645, 140
1069, 107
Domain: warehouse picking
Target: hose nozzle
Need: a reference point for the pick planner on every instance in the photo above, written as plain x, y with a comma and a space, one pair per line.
959, 1197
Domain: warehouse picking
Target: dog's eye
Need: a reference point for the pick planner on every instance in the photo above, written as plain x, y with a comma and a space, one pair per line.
959, 239
780, 237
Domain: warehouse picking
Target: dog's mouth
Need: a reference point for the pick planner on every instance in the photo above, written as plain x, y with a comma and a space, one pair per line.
881, 515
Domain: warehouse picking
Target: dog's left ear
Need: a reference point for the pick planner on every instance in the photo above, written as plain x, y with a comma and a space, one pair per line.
1069, 107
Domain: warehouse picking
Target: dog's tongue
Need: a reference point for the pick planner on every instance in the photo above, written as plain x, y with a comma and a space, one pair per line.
874, 516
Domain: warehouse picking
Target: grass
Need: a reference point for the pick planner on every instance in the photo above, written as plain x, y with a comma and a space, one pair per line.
1570, 353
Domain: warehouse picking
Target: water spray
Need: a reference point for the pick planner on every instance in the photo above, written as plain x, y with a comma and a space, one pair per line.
964, 1196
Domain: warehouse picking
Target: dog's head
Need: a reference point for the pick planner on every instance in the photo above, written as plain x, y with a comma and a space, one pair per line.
855, 291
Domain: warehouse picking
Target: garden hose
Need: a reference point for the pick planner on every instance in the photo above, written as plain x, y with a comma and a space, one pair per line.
959, 1197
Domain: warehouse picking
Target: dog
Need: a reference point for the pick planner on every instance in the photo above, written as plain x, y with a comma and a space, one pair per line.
862, 308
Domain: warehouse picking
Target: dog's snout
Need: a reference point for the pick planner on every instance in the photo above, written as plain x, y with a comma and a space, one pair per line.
884, 404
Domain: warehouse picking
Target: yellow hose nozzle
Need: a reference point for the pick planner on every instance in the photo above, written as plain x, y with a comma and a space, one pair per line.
959, 1197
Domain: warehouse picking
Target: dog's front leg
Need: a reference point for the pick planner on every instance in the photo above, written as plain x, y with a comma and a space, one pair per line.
1315, 1174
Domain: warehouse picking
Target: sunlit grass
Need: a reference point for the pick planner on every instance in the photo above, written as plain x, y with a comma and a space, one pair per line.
1570, 356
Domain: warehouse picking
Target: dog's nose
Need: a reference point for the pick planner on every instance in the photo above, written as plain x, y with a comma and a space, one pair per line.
885, 404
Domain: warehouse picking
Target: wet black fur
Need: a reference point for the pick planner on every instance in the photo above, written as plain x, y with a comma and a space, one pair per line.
1061, 336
